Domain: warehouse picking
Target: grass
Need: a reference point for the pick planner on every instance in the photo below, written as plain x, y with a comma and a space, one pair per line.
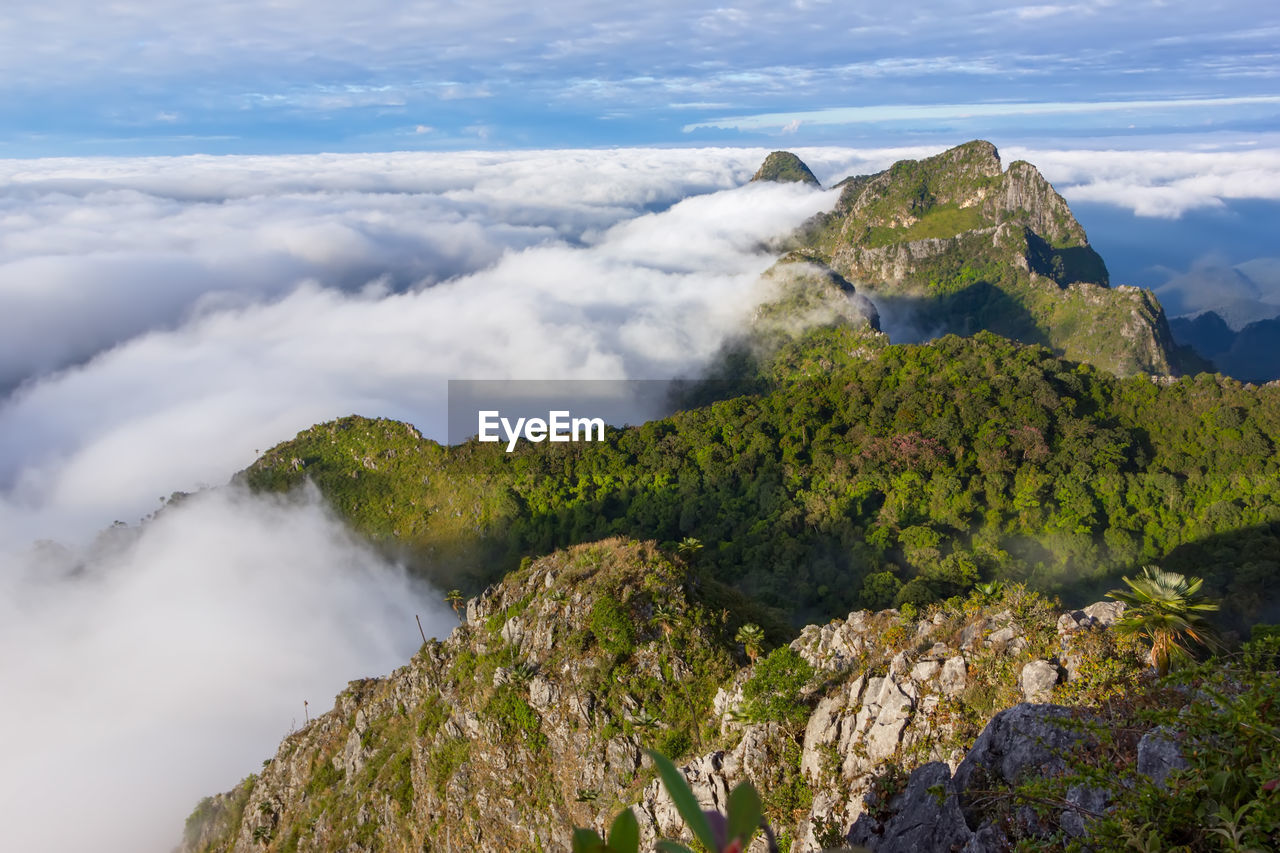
941, 222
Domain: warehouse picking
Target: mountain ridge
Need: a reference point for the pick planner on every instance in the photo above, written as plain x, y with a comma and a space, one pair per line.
533, 715
961, 245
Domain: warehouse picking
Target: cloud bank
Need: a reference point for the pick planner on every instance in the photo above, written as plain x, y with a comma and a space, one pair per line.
164, 320
172, 658
1159, 183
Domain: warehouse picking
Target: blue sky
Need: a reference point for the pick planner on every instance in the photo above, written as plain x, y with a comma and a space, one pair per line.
177, 76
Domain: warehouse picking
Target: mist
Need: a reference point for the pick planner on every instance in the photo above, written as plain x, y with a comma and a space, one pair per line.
165, 320
162, 664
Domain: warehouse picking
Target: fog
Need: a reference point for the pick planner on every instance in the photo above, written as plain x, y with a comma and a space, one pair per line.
174, 658
163, 321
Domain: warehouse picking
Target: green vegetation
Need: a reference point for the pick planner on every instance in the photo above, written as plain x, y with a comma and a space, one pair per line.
784, 167
718, 833
773, 693
941, 221
1220, 717
1165, 610
851, 476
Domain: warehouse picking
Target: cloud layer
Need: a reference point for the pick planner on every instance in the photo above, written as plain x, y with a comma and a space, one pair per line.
1159, 183
164, 320
165, 668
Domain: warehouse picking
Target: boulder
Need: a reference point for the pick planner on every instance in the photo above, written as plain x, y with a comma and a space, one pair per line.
1037, 681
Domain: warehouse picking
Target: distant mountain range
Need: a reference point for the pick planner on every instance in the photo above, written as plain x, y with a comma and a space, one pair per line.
1251, 354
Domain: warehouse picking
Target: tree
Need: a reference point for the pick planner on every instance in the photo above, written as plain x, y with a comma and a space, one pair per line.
689, 548
454, 599
666, 618
1165, 609
752, 638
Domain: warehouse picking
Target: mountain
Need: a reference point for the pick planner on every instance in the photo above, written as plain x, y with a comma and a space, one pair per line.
1251, 354
784, 167
938, 491
899, 730
955, 244
929, 466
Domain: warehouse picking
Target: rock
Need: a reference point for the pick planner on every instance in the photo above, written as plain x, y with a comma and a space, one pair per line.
784, 167
1105, 613
1159, 755
924, 670
1021, 740
1000, 639
893, 711
971, 633
1037, 681
926, 816
954, 676
1089, 803
823, 729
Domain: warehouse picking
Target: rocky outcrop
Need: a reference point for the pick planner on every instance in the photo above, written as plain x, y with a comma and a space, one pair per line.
953, 243
784, 167
534, 715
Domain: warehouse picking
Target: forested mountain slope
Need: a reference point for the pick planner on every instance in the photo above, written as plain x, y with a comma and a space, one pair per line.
858, 477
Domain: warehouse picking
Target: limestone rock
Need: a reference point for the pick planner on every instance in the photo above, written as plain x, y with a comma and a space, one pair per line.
925, 816
1037, 681
1159, 755
954, 676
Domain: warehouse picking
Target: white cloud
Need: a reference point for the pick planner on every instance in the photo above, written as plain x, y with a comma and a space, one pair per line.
169, 666
1159, 183
171, 318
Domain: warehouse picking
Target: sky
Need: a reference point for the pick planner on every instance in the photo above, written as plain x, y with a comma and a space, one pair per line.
130, 77
223, 223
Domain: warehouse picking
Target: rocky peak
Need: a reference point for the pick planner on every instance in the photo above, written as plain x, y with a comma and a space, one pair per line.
1028, 198
784, 167
953, 244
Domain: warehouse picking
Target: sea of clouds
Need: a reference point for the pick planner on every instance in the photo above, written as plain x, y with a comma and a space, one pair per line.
163, 320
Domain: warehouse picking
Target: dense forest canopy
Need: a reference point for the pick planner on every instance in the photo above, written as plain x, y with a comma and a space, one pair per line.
857, 478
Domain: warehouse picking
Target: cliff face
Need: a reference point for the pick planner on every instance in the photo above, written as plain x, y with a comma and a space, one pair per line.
955, 244
533, 716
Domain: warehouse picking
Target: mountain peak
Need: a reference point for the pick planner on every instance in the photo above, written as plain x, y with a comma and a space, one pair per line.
784, 167
954, 243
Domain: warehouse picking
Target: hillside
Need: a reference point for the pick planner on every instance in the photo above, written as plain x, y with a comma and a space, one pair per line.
862, 474
533, 716
953, 243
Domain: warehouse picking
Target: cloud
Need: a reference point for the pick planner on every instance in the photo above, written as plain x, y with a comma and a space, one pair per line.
93, 252
935, 112
166, 320
1159, 183
163, 320
332, 69
176, 656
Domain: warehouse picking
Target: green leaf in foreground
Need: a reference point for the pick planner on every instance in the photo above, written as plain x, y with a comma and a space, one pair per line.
624, 835
686, 802
744, 813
